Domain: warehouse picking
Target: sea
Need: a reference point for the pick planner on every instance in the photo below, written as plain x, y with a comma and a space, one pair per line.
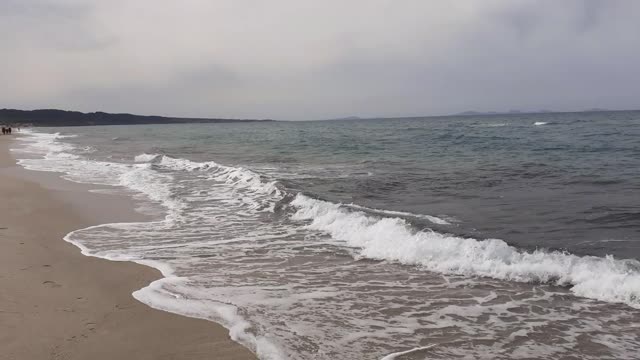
459, 237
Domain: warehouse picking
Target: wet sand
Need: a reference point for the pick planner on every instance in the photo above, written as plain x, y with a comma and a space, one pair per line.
56, 303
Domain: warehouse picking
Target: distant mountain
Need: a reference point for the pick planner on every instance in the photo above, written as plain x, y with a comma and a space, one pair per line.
521, 112
348, 118
53, 117
477, 113
510, 112
469, 113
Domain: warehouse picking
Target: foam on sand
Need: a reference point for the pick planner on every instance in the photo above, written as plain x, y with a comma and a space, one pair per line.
142, 180
159, 295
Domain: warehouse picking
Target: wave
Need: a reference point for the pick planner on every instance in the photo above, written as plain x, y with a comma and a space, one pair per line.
140, 176
493, 125
393, 239
540, 123
401, 353
145, 158
235, 176
433, 219
158, 297
376, 233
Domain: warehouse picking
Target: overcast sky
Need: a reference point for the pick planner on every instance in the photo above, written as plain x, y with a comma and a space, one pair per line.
299, 59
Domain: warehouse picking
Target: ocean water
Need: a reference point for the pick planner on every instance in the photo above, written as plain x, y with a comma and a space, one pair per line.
486, 237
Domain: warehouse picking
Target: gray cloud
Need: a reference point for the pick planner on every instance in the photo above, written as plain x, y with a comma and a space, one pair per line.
296, 59
42, 24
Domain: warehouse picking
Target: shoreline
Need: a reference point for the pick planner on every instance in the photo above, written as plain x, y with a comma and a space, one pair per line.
60, 304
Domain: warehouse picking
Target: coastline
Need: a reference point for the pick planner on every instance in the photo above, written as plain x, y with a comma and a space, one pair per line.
59, 304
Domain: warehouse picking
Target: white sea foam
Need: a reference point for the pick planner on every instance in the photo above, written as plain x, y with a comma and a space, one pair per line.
159, 295
237, 176
493, 125
140, 178
433, 219
395, 355
146, 157
540, 123
166, 294
382, 238
232, 175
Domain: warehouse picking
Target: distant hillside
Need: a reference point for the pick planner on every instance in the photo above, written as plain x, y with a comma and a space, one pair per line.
52, 117
475, 113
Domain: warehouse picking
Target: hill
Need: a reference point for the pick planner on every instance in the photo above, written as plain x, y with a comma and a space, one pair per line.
54, 117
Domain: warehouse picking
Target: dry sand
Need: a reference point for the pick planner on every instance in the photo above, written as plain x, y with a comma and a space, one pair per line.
58, 304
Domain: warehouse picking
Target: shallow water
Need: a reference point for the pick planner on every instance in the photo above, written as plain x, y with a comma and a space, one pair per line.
360, 239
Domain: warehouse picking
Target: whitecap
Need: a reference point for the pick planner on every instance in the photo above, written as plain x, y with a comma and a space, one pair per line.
393, 239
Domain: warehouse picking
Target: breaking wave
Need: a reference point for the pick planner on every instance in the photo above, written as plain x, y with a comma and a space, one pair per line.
393, 239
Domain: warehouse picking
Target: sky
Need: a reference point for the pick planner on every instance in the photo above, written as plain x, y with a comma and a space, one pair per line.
303, 59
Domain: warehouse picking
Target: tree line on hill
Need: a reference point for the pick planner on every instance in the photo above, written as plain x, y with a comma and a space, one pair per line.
54, 117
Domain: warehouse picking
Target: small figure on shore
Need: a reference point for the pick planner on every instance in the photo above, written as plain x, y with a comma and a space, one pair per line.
4, 131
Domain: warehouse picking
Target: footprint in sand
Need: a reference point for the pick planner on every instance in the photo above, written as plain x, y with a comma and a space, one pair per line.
52, 284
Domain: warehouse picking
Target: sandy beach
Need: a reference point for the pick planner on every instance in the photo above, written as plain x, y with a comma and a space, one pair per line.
56, 303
